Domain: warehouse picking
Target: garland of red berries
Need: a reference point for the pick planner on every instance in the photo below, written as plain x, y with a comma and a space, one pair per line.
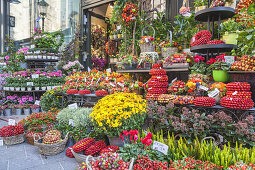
153, 90
239, 94
157, 72
237, 103
97, 147
204, 101
83, 144
110, 48
157, 84
216, 42
72, 91
101, 93
238, 86
157, 66
201, 38
85, 91
163, 78
11, 130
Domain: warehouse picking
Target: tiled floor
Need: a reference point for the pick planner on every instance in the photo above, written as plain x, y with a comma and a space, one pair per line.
27, 157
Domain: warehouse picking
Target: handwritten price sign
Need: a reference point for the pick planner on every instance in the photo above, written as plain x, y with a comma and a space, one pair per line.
160, 147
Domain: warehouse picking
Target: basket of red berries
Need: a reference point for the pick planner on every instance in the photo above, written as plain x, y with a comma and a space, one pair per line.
12, 135
204, 101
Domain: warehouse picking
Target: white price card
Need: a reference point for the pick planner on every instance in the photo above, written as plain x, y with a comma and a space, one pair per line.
160, 147
30, 83
120, 84
85, 79
71, 122
73, 106
214, 93
11, 122
146, 40
89, 69
109, 70
35, 76
203, 88
37, 102
174, 80
234, 93
1, 143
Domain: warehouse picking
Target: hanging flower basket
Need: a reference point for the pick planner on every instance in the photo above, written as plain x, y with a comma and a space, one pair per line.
146, 44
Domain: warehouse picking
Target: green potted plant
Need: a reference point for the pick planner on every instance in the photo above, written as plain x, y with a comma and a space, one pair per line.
200, 5
229, 30
219, 69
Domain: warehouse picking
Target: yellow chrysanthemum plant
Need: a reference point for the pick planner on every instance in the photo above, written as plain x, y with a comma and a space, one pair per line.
117, 112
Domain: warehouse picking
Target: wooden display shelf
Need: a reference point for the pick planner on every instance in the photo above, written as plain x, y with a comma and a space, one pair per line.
148, 70
216, 48
215, 14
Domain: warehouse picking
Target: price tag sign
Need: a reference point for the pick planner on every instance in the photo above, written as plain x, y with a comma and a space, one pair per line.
85, 79
120, 84
214, 93
35, 76
109, 70
73, 106
71, 122
234, 93
1, 143
37, 102
160, 147
89, 69
30, 83
203, 88
229, 59
146, 40
11, 122
174, 80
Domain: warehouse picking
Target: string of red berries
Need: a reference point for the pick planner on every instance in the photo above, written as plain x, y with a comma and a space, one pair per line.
201, 38
97, 147
157, 72
72, 91
216, 42
163, 78
83, 144
101, 93
237, 103
238, 86
204, 101
157, 84
11, 130
85, 91
153, 90
157, 65
239, 94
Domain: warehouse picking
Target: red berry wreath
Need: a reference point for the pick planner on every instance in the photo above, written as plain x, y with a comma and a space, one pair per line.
201, 38
111, 48
216, 42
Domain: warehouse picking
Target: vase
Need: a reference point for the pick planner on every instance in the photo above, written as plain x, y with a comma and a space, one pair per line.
230, 38
36, 110
27, 111
220, 75
17, 88
8, 112
18, 112
115, 140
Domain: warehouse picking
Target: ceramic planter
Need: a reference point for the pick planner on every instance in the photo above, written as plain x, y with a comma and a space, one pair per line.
7, 88
220, 75
45, 57
230, 38
44, 88
49, 57
29, 89
36, 110
18, 112
11, 88
27, 111
40, 57
37, 88
17, 88
23, 88
115, 141
8, 112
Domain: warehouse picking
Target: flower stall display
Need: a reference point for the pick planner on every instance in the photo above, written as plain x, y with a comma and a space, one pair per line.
157, 84
238, 96
176, 61
117, 112
199, 66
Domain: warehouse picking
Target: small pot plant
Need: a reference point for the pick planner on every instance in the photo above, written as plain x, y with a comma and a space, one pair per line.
229, 31
198, 67
219, 69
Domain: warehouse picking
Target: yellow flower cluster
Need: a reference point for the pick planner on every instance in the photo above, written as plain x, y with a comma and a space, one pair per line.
110, 110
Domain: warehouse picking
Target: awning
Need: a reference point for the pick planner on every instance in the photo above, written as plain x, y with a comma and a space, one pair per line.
85, 4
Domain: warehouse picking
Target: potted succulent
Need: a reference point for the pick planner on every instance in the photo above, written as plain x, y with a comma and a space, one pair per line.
229, 29
219, 69
200, 5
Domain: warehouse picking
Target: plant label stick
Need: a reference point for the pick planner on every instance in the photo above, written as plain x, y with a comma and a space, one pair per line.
1, 143
11, 122
71, 122
73, 106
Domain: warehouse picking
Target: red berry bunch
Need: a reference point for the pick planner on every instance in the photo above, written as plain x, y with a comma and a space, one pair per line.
101, 93
11, 130
157, 66
157, 72
108, 149
201, 38
204, 101
238, 86
97, 147
177, 87
239, 94
69, 153
143, 162
216, 42
153, 90
163, 78
72, 91
85, 91
83, 144
157, 84
237, 103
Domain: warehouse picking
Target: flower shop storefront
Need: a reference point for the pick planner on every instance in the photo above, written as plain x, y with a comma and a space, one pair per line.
147, 92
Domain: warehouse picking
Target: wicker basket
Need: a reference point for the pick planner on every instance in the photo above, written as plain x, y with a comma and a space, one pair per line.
13, 140
50, 149
30, 139
168, 51
147, 47
82, 158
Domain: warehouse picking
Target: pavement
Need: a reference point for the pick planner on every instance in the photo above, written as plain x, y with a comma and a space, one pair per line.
27, 157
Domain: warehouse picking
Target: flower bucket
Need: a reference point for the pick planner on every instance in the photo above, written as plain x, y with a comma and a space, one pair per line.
18, 112
37, 88
27, 111
8, 112
220, 75
230, 38
44, 88
11, 88
29, 89
116, 140
36, 110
